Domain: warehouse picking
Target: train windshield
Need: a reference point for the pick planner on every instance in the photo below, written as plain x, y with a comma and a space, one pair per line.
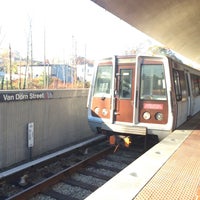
103, 80
153, 84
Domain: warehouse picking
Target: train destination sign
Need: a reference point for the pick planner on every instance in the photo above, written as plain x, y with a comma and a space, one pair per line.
25, 96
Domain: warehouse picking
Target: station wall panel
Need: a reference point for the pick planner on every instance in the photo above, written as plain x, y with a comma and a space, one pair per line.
59, 117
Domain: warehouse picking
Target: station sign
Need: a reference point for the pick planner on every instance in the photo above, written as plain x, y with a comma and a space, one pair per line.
25, 96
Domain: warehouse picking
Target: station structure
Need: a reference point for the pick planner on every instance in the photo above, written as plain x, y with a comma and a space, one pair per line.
169, 170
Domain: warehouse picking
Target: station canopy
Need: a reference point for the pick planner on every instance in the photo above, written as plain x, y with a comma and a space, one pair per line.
174, 23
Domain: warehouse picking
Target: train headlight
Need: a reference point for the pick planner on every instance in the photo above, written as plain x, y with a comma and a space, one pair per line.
96, 110
104, 112
146, 115
159, 116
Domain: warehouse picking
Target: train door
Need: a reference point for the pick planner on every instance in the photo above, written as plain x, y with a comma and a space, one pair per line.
180, 84
189, 95
124, 90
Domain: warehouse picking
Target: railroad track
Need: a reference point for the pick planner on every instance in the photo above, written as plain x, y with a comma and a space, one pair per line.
72, 177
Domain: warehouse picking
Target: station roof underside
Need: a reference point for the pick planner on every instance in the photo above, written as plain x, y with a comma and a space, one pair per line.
174, 23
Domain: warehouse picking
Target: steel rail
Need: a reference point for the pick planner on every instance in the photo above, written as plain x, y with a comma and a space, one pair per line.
62, 175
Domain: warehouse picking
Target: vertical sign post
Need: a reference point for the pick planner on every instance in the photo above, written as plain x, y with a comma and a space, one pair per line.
30, 137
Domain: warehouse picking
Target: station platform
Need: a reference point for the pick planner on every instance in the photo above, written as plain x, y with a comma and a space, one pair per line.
169, 170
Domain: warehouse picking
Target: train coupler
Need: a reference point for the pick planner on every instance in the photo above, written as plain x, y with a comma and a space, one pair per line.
124, 141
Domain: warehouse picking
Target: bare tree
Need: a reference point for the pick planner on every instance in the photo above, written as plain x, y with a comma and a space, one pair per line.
29, 50
2, 36
10, 66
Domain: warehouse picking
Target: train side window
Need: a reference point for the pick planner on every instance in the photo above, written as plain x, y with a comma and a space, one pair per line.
195, 85
125, 86
199, 84
177, 85
183, 85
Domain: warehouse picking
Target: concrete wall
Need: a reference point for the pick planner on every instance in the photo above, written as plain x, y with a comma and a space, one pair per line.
59, 117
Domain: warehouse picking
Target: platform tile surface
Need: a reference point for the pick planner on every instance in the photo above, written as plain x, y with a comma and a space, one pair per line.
178, 178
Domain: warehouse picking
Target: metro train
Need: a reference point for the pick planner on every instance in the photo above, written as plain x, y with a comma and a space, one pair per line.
142, 95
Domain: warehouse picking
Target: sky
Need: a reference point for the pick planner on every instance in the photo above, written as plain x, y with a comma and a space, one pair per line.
59, 27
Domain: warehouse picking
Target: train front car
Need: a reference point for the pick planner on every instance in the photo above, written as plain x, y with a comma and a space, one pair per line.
128, 100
